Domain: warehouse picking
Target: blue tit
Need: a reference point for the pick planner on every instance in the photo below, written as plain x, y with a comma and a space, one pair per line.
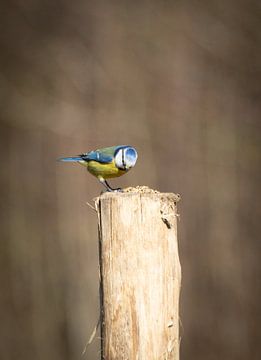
107, 163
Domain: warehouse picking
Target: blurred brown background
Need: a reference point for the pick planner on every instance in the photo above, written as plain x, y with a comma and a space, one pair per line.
180, 81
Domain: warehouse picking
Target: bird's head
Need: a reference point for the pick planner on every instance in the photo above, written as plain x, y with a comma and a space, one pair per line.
125, 157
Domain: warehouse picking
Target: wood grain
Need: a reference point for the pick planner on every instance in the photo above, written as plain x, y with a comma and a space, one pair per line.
140, 276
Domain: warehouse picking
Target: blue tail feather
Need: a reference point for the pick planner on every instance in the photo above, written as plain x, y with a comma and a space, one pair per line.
70, 159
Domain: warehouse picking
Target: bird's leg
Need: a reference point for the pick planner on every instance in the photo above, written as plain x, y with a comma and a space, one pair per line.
110, 188
104, 182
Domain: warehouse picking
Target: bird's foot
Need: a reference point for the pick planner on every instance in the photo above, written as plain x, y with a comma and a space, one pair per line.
115, 190
118, 190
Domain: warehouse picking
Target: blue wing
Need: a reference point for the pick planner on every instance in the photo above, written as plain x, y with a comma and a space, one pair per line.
103, 156
93, 155
98, 156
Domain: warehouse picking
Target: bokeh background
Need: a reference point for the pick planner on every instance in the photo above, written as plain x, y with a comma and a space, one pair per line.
180, 81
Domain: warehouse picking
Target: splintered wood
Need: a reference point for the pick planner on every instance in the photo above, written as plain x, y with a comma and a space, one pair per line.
140, 275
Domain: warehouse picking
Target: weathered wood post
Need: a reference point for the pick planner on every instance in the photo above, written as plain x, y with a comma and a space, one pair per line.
140, 275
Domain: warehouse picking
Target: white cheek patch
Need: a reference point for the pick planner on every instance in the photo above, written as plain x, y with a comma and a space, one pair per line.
118, 159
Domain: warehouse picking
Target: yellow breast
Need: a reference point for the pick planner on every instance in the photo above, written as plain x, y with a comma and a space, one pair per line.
105, 171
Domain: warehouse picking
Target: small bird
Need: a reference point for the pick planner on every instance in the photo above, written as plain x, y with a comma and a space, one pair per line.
107, 163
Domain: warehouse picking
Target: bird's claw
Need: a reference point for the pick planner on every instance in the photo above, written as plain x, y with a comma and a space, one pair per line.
116, 190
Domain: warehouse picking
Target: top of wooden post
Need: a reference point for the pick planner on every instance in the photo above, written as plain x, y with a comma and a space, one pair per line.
142, 190
168, 200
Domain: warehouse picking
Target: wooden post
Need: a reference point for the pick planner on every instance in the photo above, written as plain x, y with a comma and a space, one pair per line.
140, 275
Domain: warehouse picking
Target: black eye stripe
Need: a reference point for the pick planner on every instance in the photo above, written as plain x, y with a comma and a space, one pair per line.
123, 160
